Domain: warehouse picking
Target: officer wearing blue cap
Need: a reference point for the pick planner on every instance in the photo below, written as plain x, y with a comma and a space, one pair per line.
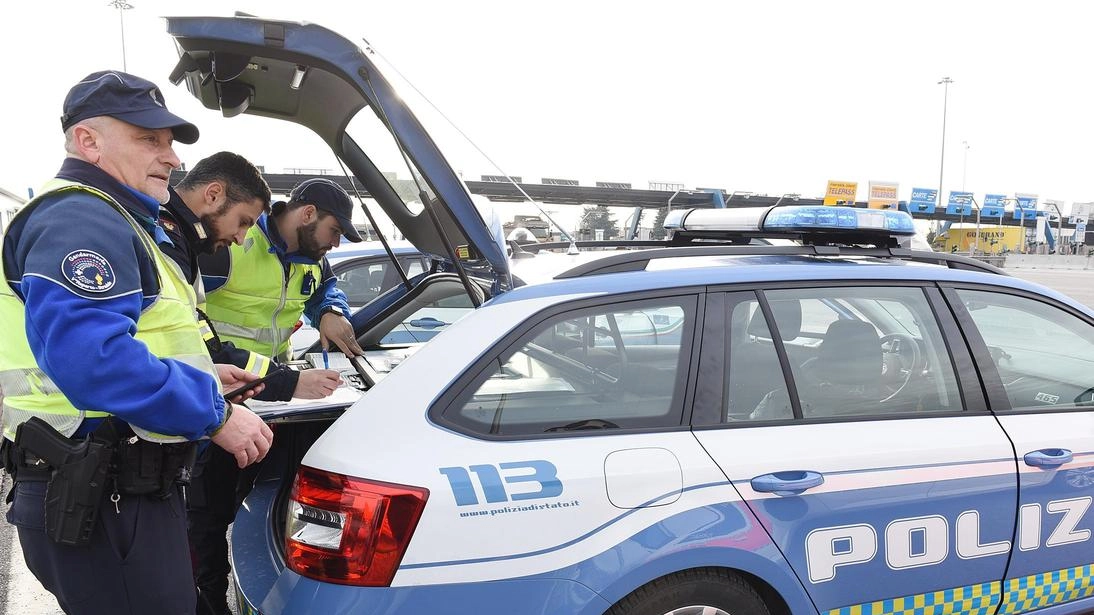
256, 292
106, 377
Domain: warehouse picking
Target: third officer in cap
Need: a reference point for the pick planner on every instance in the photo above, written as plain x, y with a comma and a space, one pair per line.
255, 294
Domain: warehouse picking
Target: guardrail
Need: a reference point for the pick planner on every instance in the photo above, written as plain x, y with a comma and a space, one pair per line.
1049, 261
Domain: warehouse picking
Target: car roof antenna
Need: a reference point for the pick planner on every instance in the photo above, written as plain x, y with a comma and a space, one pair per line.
567, 236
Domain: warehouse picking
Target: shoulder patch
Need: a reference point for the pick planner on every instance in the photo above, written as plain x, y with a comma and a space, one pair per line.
88, 271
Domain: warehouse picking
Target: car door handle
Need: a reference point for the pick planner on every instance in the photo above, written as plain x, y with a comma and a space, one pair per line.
787, 483
1048, 457
428, 323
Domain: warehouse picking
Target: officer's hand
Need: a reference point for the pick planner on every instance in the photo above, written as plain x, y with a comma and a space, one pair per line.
336, 329
245, 436
232, 377
316, 383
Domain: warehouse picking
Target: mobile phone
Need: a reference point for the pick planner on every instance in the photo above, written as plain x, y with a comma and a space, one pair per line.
252, 384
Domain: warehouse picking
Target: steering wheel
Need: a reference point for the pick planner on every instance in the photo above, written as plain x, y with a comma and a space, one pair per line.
900, 358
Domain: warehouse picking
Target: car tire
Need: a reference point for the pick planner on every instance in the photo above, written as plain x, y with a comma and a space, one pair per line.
693, 592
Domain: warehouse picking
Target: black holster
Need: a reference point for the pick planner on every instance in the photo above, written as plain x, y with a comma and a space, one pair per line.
78, 472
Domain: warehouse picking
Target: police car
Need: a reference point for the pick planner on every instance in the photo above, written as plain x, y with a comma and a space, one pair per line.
837, 426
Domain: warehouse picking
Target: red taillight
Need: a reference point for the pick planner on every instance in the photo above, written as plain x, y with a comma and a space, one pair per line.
349, 530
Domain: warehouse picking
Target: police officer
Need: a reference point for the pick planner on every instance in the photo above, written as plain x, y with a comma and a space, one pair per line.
101, 341
212, 207
278, 273
256, 292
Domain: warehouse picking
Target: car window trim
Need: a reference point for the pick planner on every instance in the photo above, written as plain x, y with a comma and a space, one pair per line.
709, 370
476, 373
969, 384
784, 358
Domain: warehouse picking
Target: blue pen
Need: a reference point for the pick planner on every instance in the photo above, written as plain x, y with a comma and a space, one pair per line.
326, 360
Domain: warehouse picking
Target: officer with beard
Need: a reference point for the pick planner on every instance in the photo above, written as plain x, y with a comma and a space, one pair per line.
256, 292
211, 208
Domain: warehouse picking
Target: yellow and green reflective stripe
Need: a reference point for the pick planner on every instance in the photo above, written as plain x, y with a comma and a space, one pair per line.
977, 599
1047, 589
258, 364
1015, 596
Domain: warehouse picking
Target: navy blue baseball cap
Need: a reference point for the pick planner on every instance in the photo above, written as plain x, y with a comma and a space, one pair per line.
330, 197
125, 97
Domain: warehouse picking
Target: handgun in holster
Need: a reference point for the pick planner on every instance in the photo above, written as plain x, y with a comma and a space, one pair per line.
79, 473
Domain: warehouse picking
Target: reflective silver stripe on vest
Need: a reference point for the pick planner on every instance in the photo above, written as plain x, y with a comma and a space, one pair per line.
261, 335
258, 364
65, 424
206, 331
31, 381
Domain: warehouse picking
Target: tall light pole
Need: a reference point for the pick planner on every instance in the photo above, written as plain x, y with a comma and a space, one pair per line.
945, 83
122, 7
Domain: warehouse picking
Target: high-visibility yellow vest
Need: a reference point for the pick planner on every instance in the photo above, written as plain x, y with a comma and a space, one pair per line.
168, 328
258, 306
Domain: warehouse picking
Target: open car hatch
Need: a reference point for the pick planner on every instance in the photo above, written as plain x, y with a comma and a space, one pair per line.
304, 73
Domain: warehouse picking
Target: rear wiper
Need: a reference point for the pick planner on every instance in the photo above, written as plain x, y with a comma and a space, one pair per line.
585, 425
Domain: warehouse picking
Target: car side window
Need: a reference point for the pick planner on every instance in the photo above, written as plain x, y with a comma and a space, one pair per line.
1044, 355
413, 267
362, 283
617, 366
881, 352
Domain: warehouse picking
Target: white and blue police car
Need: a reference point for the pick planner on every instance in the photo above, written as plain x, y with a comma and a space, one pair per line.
838, 426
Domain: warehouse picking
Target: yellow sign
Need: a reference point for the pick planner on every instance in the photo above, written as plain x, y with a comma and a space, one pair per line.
993, 239
840, 193
883, 195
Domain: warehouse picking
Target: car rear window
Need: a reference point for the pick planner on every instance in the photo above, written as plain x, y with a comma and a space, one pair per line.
616, 366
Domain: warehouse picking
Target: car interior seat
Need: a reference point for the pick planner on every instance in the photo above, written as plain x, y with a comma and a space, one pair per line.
845, 377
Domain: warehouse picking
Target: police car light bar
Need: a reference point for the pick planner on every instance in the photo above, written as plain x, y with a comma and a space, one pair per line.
812, 219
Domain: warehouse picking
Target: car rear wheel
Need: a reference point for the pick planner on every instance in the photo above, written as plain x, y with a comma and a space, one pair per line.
702, 591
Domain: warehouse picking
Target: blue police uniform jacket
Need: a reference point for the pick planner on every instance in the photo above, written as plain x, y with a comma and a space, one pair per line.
81, 332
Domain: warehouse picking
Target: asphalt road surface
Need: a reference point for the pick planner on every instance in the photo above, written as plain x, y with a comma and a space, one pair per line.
21, 594
1078, 285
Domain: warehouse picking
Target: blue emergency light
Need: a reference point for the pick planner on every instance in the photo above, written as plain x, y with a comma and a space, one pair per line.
812, 219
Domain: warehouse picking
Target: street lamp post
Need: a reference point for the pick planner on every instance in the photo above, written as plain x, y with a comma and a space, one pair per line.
122, 7
946, 81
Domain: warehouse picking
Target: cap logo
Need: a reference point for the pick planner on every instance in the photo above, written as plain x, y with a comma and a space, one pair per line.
154, 94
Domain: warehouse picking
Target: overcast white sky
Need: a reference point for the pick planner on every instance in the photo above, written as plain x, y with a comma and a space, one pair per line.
768, 97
